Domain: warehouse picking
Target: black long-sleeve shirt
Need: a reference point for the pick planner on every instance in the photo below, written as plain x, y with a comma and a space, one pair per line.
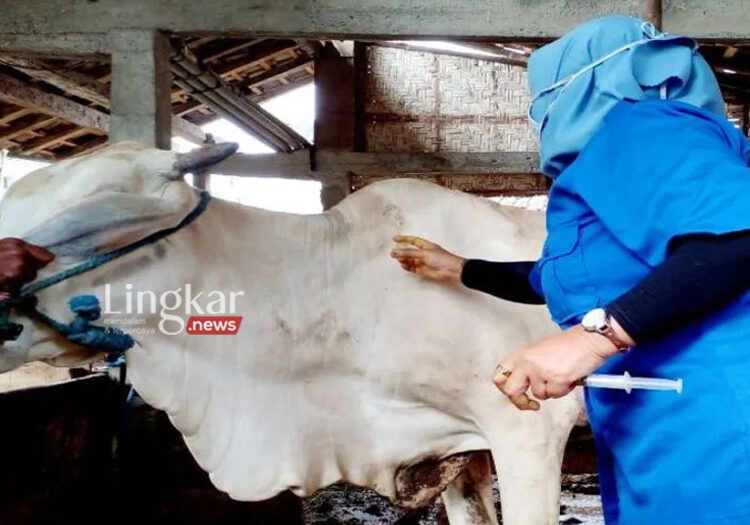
701, 274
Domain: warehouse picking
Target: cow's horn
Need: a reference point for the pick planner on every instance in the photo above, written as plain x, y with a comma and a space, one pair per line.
202, 158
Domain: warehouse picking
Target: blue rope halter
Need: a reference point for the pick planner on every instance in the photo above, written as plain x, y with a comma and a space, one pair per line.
86, 308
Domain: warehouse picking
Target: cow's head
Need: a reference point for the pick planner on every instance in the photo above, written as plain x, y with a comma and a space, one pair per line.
94, 204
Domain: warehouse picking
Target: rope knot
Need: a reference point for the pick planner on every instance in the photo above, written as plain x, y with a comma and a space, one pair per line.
86, 306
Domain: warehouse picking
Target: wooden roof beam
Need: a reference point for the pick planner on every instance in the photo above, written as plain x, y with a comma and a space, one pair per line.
87, 147
42, 143
24, 94
66, 25
278, 72
264, 53
212, 57
87, 91
25, 124
266, 93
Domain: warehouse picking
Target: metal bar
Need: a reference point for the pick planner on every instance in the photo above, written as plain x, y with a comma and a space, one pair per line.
218, 89
211, 99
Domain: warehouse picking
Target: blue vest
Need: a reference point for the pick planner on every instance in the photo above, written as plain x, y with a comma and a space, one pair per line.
654, 171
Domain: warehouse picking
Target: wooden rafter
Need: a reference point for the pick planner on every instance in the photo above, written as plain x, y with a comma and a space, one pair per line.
84, 87
232, 48
279, 90
60, 136
278, 72
25, 124
86, 147
14, 113
27, 95
266, 52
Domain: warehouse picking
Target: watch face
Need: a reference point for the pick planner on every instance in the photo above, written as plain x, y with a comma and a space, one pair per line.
595, 320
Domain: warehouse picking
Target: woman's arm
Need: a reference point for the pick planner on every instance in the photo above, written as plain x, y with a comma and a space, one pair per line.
506, 280
702, 274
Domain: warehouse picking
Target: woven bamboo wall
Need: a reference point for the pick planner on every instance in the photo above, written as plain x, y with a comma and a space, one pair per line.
425, 102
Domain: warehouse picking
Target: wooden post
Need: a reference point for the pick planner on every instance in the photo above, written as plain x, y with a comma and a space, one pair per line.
141, 84
651, 11
335, 87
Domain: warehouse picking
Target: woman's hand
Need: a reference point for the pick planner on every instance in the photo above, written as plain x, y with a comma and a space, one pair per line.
552, 367
428, 259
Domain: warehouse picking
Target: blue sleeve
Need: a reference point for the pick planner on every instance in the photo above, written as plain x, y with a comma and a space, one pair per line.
654, 172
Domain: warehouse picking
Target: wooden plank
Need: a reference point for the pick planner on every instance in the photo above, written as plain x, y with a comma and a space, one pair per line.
212, 57
26, 95
486, 184
16, 113
509, 173
38, 70
266, 51
35, 146
25, 124
279, 71
283, 165
335, 109
298, 165
85, 87
187, 130
87, 147
652, 11
471, 163
280, 89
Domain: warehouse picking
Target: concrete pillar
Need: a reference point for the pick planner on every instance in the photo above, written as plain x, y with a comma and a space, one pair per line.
141, 84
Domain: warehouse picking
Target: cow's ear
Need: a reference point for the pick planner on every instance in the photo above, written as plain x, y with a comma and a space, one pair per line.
106, 222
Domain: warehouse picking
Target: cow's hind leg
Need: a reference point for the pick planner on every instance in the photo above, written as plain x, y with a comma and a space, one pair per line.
528, 473
468, 498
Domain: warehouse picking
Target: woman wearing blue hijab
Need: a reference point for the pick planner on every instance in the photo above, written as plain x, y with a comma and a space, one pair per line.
645, 268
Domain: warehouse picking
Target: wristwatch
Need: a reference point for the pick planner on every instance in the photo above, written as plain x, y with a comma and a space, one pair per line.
599, 321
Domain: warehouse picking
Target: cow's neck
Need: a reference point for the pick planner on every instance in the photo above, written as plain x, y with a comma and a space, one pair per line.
283, 270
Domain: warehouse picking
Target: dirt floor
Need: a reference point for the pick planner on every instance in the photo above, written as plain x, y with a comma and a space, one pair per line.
343, 505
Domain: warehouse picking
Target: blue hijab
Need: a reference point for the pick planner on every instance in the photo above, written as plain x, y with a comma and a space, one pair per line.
576, 80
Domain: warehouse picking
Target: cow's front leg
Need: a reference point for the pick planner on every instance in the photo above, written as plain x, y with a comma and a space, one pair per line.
468, 498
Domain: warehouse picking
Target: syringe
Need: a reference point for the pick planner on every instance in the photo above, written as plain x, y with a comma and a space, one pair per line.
627, 383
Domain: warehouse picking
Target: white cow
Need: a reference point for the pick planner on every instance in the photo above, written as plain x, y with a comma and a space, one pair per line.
345, 368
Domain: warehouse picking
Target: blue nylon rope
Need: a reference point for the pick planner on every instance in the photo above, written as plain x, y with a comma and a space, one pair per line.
86, 307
